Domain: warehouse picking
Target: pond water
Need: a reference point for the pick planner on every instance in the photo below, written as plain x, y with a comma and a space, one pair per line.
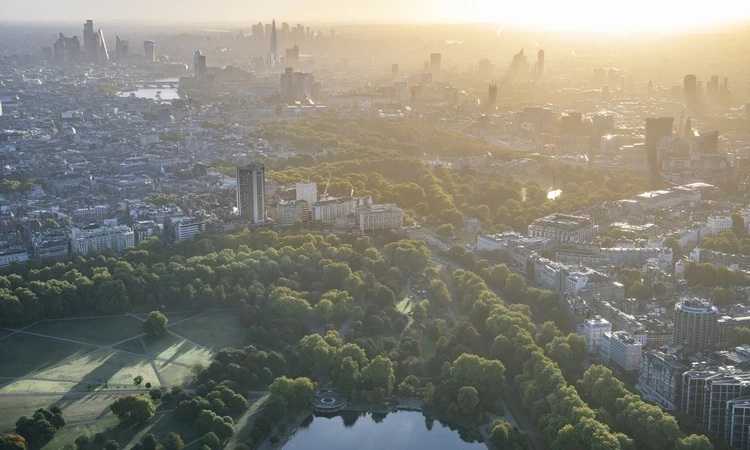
372, 431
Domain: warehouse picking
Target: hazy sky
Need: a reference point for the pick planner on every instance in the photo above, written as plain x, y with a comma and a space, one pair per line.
581, 15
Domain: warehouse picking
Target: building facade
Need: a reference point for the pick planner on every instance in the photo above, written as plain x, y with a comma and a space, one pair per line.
100, 238
251, 192
621, 350
660, 379
564, 228
593, 331
695, 324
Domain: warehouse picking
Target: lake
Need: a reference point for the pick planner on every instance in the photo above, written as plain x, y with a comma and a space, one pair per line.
366, 431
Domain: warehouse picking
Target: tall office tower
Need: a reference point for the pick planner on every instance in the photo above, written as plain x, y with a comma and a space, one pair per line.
199, 65
540, 64
102, 52
67, 49
308, 192
251, 192
650, 89
600, 78
436, 62
287, 84
273, 56
292, 56
485, 69
89, 41
259, 31
492, 98
284, 31
394, 71
656, 128
149, 47
519, 66
712, 90
121, 48
694, 324
690, 89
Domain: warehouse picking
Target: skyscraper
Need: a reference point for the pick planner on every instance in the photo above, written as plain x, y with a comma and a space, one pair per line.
492, 98
102, 54
690, 89
150, 48
199, 65
394, 71
121, 48
656, 128
251, 192
67, 49
89, 41
436, 62
292, 56
273, 56
540, 65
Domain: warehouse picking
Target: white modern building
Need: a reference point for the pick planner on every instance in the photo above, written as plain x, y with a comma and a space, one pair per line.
307, 192
100, 238
10, 256
328, 210
593, 331
187, 229
564, 228
374, 217
718, 224
621, 350
660, 378
288, 212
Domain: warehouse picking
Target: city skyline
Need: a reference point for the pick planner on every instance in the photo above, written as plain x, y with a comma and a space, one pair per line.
577, 15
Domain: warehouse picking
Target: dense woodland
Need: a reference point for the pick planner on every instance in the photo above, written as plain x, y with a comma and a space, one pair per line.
381, 159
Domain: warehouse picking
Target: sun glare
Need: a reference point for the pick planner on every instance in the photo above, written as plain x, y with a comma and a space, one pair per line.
599, 16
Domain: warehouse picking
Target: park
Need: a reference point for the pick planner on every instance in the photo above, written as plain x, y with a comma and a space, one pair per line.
81, 364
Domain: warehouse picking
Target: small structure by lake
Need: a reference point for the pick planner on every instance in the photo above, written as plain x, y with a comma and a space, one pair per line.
328, 401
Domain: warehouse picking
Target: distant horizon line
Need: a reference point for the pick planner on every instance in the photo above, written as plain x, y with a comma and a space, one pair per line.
236, 25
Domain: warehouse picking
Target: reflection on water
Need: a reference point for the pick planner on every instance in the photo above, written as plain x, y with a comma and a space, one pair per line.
378, 431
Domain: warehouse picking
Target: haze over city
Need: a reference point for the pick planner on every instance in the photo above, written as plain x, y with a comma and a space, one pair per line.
335, 225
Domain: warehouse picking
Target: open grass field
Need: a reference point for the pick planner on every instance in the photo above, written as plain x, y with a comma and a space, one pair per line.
22, 354
75, 408
214, 330
4, 333
43, 371
99, 331
111, 366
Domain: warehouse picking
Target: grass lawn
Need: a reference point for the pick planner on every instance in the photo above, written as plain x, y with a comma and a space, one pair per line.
101, 331
133, 345
404, 305
34, 386
22, 354
215, 330
116, 368
4, 333
173, 349
75, 408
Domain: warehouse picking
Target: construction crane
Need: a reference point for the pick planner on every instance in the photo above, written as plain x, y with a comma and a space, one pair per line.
327, 184
679, 126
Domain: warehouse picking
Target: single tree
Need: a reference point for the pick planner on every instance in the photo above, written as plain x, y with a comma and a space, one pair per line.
155, 324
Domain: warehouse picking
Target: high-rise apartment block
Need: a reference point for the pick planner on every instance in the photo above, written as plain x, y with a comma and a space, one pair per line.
695, 325
149, 48
251, 193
